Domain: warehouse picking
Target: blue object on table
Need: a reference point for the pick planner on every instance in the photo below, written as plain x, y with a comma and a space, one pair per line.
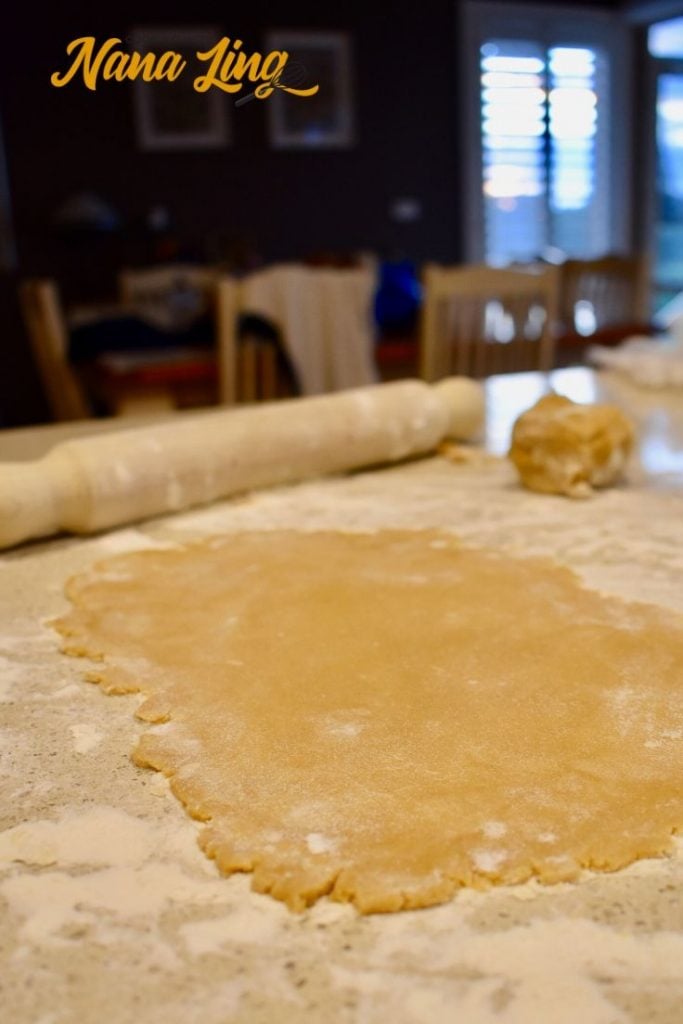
398, 297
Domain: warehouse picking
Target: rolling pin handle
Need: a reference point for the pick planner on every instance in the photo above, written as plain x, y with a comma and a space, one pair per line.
464, 401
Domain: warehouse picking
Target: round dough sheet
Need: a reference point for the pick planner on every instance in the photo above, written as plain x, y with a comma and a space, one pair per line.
387, 717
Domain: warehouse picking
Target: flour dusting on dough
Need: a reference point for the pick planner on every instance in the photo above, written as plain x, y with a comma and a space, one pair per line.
318, 843
494, 829
410, 811
489, 861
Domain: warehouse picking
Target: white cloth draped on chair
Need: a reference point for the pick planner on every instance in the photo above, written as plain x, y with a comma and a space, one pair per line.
325, 318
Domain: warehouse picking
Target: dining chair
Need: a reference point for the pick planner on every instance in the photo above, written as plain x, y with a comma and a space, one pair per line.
323, 316
48, 336
121, 383
480, 320
295, 329
247, 361
603, 295
169, 294
246, 367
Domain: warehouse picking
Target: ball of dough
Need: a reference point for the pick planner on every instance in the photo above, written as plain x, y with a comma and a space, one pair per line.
561, 447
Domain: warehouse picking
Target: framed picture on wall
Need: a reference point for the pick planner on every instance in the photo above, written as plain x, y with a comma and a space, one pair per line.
326, 119
172, 115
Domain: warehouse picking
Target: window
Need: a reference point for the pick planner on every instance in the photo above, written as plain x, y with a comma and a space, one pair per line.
547, 172
665, 42
665, 39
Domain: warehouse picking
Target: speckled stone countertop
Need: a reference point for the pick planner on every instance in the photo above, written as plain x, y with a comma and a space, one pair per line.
112, 913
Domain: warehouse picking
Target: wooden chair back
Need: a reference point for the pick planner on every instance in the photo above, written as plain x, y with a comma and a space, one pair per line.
480, 320
603, 293
247, 366
137, 284
170, 295
48, 335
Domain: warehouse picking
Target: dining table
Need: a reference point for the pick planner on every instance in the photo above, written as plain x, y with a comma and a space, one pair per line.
112, 913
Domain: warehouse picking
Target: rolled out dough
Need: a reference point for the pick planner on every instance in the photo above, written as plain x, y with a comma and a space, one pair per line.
387, 717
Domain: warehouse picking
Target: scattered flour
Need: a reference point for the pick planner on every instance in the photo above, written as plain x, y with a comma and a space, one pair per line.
11, 673
550, 970
121, 541
242, 925
53, 900
86, 737
96, 836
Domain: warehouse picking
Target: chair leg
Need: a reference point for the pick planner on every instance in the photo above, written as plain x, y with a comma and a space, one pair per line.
268, 373
247, 371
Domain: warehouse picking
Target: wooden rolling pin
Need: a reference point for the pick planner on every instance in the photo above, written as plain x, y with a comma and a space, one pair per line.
98, 482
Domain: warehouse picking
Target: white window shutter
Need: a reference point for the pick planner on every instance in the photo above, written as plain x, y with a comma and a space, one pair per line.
547, 135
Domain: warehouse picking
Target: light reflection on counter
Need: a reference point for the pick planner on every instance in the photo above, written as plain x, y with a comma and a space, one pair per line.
656, 414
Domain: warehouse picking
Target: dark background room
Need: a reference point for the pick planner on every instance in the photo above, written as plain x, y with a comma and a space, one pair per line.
85, 197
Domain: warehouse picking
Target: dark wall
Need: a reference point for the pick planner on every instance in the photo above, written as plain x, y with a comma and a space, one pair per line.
61, 141
284, 204
64, 140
